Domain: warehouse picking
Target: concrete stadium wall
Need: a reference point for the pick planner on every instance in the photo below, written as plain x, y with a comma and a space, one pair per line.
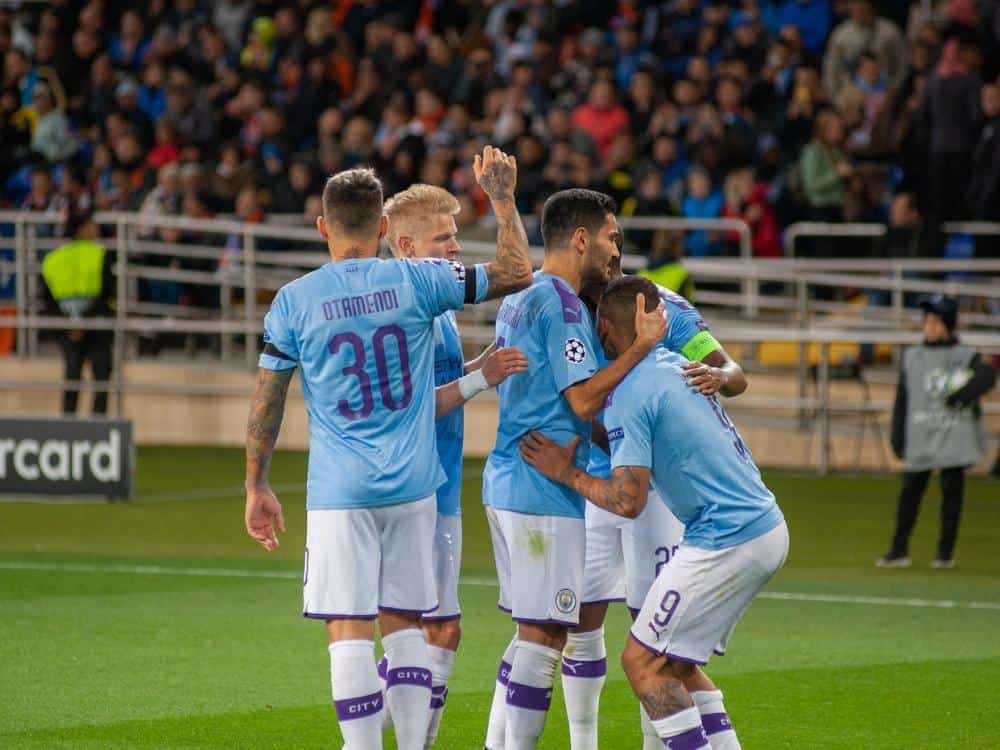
774, 436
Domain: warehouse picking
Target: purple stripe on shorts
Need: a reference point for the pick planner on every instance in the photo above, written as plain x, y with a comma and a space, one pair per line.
503, 673
397, 610
504, 609
686, 659
358, 708
526, 696
383, 667
715, 723
550, 621
443, 618
603, 601
574, 668
692, 739
634, 612
408, 676
336, 616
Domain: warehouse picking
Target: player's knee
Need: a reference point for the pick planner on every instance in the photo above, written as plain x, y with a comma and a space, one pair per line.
446, 634
682, 670
551, 636
638, 663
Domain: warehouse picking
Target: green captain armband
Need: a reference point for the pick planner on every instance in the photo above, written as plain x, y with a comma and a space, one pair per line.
700, 346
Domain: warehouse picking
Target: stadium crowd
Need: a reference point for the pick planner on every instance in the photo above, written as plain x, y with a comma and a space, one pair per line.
769, 111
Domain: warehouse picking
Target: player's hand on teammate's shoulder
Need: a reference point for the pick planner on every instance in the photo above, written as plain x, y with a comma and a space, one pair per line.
502, 363
496, 173
551, 459
264, 516
705, 379
650, 327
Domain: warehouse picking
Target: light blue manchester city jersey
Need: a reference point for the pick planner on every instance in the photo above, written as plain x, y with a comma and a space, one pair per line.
687, 333
362, 334
550, 324
699, 463
449, 364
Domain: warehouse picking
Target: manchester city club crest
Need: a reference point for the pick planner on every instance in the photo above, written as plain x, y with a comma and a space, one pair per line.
565, 601
575, 351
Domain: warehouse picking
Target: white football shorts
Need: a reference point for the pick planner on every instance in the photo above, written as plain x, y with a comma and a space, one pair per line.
696, 601
447, 566
604, 569
539, 561
361, 560
648, 543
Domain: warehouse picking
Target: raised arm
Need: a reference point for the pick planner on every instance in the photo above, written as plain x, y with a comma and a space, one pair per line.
496, 173
587, 397
499, 365
263, 513
624, 494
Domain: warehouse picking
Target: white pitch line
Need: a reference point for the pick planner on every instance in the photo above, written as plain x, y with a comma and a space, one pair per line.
166, 570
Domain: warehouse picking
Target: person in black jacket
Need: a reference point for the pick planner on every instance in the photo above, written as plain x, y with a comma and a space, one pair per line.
937, 424
984, 185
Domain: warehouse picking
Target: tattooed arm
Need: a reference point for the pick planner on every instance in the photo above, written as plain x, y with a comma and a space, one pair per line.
624, 494
263, 513
496, 173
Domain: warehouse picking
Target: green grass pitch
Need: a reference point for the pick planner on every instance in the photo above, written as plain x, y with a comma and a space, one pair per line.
102, 646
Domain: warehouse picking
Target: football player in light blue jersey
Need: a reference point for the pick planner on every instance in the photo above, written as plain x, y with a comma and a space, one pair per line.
361, 331
625, 555
536, 524
422, 225
663, 431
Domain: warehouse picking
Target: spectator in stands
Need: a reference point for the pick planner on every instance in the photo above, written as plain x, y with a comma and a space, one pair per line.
51, 138
79, 284
903, 236
165, 148
825, 169
127, 105
813, 19
937, 423
15, 132
747, 200
602, 118
950, 118
128, 47
984, 186
863, 30
702, 202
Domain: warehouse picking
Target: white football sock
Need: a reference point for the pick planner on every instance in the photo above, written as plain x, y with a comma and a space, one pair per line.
356, 695
715, 720
498, 710
683, 730
408, 686
650, 737
383, 668
442, 660
529, 694
584, 670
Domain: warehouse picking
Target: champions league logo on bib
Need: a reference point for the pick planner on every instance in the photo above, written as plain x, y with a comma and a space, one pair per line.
565, 601
574, 351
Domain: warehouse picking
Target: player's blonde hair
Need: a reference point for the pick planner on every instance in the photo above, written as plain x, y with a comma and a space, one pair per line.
408, 209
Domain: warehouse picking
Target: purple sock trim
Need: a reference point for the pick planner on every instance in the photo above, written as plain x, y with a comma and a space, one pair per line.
439, 695
503, 673
527, 696
408, 676
358, 708
692, 739
383, 667
574, 668
715, 723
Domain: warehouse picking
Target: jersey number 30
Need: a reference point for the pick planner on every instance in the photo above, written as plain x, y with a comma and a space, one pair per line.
357, 369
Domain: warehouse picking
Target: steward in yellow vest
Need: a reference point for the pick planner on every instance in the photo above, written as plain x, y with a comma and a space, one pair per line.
79, 285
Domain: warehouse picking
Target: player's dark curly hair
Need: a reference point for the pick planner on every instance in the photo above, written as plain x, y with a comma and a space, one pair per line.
618, 301
352, 201
564, 212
